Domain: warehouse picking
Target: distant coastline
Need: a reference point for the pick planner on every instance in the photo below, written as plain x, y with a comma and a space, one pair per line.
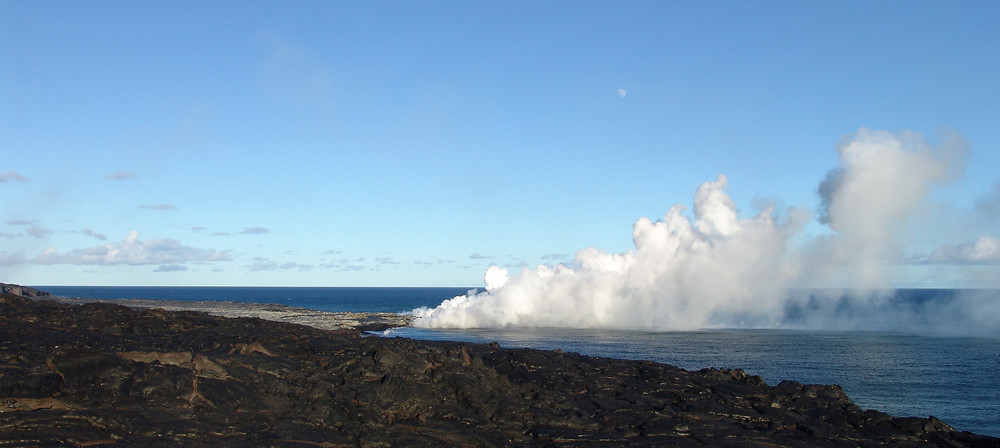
324, 320
336, 299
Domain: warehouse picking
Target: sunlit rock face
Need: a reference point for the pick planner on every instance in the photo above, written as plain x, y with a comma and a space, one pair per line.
7, 288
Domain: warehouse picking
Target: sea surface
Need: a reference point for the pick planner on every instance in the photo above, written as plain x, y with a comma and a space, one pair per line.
904, 373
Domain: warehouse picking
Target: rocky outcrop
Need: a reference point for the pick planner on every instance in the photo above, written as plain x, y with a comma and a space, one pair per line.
103, 374
24, 291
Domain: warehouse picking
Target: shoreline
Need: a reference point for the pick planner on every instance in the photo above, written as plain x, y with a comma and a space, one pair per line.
323, 320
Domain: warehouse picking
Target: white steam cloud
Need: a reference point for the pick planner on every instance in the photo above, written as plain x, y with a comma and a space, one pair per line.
716, 269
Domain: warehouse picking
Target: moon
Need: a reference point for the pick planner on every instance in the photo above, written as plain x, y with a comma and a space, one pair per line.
622, 93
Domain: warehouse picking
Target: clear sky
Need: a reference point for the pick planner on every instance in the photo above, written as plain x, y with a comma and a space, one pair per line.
418, 143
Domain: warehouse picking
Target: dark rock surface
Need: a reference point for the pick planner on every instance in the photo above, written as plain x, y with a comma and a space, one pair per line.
7, 288
102, 374
324, 320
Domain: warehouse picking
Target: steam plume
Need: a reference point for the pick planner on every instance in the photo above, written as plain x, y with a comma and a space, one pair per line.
713, 268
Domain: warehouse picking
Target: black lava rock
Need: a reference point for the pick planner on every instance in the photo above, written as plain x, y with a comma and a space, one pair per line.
107, 375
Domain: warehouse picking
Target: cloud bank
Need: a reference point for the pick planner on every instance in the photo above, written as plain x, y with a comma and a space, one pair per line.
133, 251
712, 268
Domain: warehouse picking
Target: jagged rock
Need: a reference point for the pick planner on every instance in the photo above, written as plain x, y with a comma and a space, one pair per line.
23, 291
100, 373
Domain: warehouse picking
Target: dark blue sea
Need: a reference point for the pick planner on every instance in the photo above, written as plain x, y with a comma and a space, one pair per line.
954, 376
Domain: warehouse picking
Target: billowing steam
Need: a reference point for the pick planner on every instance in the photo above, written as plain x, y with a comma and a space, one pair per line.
713, 268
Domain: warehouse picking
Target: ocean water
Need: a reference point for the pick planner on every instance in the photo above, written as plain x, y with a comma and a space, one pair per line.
905, 373
388, 300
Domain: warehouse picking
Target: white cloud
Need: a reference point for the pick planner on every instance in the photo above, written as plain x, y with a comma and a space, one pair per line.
349, 267
437, 262
133, 251
717, 269
347, 264
984, 250
266, 264
881, 180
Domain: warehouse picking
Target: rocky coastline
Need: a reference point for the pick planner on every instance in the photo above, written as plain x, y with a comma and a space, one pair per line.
323, 320
103, 374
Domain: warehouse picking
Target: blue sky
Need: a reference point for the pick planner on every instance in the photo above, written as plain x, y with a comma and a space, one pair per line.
419, 143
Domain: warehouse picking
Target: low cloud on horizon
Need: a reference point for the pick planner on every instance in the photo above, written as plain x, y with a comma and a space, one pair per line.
133, 251
171, 268
267, 264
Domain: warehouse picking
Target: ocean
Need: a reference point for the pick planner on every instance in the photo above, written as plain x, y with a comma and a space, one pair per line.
904, 373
